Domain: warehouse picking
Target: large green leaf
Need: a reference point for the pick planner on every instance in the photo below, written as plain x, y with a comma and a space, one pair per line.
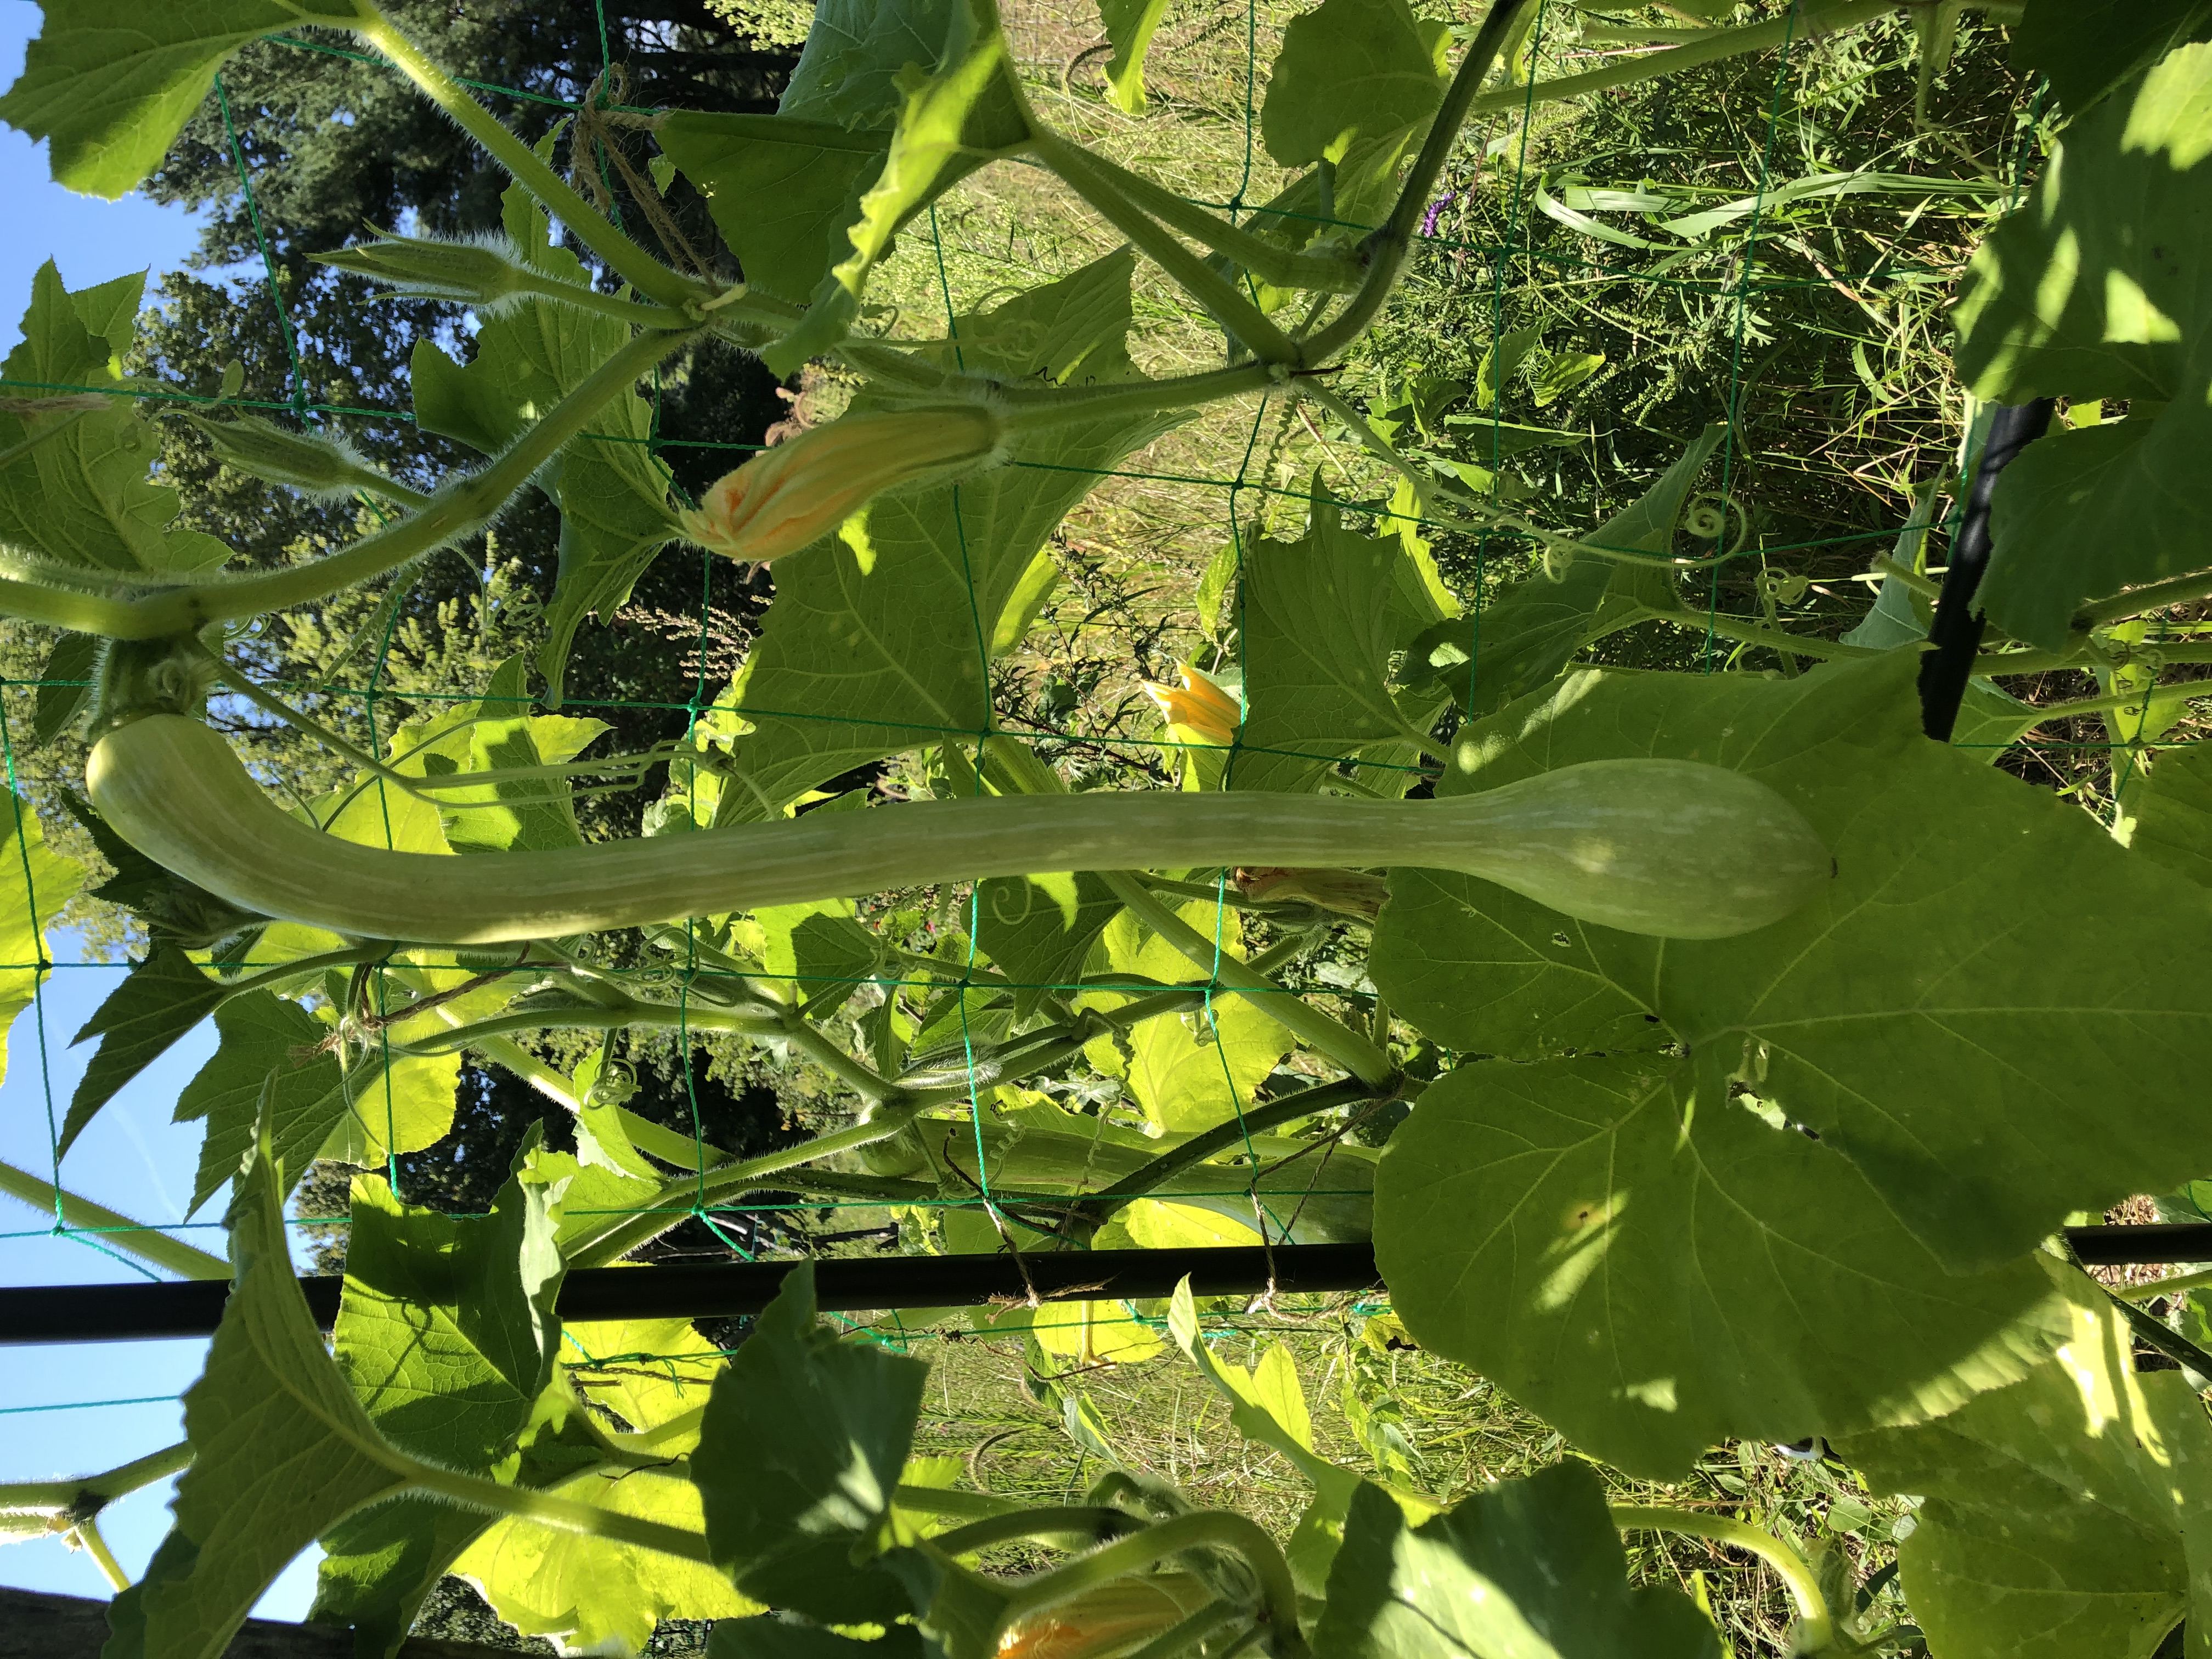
37, 884
272, 1053
593, 1594
446, 1333
281, 1451
818, 952
1527, 1569
1519, 641
1130, 25
500, 732
847, 74
1040, 929
1320, 621
931, 147
2173, 812
877, 638
612, 494
111, 83
2070, 1513
261, 1040
782, 189
79, 494
161, 999
800, 1452
1189, 1071
2100, 286
1911, 1015
2085, 48
1653, 1269
1265, 1404
1350, 69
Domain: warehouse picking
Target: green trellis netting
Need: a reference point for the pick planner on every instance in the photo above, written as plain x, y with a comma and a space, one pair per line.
1732, 277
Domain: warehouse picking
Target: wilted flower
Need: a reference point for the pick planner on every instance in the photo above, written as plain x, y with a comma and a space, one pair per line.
1347, 892
1199, 707
791, 496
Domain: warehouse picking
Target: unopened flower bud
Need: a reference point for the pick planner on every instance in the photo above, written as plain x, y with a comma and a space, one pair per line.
476, 273
791, 496
1346, 892
318, 465
1199, 707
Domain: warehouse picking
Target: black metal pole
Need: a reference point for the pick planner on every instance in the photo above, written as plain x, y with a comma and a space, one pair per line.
1956, 631
115, 1313
99, 1313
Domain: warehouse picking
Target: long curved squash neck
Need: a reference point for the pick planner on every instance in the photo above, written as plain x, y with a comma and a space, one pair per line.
1592, 840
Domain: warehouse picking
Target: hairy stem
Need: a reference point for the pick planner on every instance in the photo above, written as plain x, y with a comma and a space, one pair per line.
1718, 44
1310, 1025
1750, 633
1386, 247
87, 1534
2180, 590
114, 1229
942, 1500
1233, 310
455, 510
1092, 1523
1221, 1138
1815, 1630
1190, 1633
93, 1492
583, 221
1270, 262
623, 1234
564, 1514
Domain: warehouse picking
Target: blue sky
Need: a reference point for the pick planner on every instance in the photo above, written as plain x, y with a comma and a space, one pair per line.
132, 1159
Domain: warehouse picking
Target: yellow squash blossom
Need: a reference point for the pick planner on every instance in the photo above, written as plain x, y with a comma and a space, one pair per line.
791, 496
1113, 1619
1200, 708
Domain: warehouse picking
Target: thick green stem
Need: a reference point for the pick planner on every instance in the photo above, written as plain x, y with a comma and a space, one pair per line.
1029, 408
942, 1500
2180, 590
1232, 309
1223, 1137
1386, 248
1718, 44
2158, 1287
679, 1427
1750, 633
1270, 262
1092, 1523
1815, 1630
1221, 1530
114, 1229
1310, 1025
564, 1514
593, 1017
456, 510
87, 1534
582, 221
623, 1234
93, 1492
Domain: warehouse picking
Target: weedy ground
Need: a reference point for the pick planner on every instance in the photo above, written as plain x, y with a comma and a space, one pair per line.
1395, 1413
